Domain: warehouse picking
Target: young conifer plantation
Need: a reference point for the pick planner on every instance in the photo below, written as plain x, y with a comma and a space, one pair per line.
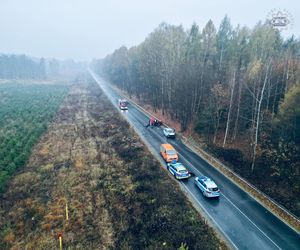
25, 112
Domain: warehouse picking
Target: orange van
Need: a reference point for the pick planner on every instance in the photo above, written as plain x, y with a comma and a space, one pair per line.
168, 152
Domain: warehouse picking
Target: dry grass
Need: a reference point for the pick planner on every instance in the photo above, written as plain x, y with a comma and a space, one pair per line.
109, 181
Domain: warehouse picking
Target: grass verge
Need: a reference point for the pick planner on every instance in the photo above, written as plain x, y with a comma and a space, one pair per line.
118, 196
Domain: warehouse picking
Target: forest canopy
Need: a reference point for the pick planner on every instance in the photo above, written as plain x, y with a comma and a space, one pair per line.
237, 87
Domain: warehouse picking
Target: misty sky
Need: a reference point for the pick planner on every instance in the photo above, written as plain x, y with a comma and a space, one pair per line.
86, 29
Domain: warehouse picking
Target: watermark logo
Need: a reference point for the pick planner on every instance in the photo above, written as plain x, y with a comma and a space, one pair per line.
280, 19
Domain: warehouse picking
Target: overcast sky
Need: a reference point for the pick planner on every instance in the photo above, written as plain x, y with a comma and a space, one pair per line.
86, 29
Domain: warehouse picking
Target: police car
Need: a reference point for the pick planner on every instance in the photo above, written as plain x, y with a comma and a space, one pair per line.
207, 186
178, 170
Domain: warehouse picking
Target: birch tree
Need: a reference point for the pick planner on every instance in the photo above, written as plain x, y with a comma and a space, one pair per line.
232, 87
258, 113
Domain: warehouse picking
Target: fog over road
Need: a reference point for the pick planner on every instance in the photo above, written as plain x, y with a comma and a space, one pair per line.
242, 220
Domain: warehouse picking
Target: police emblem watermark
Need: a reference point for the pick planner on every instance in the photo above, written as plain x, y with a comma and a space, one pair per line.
280, 19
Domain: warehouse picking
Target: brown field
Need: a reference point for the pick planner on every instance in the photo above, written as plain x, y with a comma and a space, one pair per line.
117, 194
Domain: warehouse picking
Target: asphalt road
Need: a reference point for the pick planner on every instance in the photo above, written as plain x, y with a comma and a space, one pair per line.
243, 221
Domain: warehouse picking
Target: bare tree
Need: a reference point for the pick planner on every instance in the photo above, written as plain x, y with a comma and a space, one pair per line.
232, 86
258, 116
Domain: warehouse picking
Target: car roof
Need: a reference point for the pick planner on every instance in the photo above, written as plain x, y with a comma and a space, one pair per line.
178, 165
209, 182
168, 146
169, 129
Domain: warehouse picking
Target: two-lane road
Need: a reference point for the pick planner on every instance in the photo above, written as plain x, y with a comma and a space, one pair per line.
242, 220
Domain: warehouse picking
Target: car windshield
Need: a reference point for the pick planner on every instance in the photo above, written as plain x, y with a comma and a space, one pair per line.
182, 171
171, 152
169, 130
213, 189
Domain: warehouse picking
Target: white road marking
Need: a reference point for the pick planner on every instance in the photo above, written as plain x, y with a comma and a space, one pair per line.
195, 198
250, 221
235, 206
199, 203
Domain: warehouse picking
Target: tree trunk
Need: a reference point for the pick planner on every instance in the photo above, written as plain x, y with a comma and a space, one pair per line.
287, 75
162, 96
217, 126
221, 58
275, 99
201, 81
258, 116
229, 112
237, 113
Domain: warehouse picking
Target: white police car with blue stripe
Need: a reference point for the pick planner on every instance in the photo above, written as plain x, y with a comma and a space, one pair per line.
207, 186
178, 170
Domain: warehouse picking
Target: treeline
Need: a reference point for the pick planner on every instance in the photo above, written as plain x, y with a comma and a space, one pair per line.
21, 67
238, 88
64, 68
24, 67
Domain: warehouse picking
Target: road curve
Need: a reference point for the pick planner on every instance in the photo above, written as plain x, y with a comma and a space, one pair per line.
244, 222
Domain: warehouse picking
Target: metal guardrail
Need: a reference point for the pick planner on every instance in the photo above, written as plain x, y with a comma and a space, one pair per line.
245, 181
283, 209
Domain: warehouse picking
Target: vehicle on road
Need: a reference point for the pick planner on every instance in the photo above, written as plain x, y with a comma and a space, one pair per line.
168, 153
169, 132
207, 186
154, 122
178, 170
157, 123
123, 104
